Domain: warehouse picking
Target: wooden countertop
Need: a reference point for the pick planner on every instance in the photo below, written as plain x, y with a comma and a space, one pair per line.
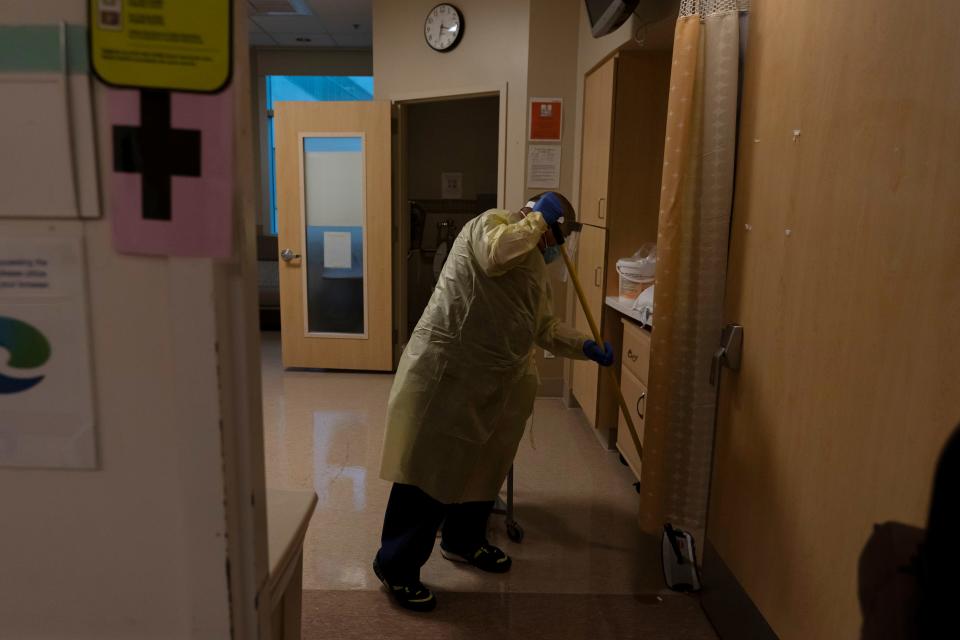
288, 515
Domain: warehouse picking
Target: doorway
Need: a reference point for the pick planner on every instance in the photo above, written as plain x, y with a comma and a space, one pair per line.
288, 88
449, 159
333, 213
450, 164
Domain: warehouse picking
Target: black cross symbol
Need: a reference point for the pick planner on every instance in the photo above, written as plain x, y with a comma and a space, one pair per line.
156, 151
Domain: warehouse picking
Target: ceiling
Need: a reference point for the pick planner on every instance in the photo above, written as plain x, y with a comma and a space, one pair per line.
311, 23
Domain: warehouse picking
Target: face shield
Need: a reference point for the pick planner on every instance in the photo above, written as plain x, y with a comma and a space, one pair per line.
548, 244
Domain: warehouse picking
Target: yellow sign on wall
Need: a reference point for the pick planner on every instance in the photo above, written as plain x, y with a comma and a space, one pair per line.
182, 45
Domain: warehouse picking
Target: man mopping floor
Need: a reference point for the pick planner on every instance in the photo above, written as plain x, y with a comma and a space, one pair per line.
464, 390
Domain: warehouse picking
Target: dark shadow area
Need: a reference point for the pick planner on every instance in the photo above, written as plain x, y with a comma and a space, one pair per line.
907, 575
524, 616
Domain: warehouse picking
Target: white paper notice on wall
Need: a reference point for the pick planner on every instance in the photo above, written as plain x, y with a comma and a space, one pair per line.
38, 179
543, 166
46, 384
336, 250
451, 185
46, 115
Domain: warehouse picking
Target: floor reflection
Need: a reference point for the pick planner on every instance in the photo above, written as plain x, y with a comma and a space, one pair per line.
326, 426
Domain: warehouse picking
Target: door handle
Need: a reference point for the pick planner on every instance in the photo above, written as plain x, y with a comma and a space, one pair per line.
643, 396
597, 273
729, 353
601, 208
287, 255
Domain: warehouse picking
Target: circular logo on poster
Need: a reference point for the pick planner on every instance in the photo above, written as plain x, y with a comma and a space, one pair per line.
28, 349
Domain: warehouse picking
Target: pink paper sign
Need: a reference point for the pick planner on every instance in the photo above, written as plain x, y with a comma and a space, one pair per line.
171, 177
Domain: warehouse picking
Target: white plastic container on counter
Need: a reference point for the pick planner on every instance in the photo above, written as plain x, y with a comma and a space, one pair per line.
637, 272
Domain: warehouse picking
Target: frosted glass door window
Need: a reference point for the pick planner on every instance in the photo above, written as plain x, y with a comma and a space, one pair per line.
335, 240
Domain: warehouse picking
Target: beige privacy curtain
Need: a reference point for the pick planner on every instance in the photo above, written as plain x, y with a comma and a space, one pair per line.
695, 204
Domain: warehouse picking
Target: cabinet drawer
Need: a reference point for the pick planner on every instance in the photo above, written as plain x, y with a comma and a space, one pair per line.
636, 351
635, 393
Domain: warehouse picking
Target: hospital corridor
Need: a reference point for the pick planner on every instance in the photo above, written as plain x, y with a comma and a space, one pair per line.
479, 319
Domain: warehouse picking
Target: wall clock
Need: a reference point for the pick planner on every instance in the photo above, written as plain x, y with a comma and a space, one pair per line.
443, 27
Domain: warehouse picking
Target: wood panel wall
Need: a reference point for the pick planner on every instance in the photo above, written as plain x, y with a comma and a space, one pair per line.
845, 272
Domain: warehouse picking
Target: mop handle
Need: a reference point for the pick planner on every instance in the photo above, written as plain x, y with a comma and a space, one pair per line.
599, 340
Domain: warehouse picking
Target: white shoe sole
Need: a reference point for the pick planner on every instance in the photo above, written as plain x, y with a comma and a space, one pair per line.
453, 557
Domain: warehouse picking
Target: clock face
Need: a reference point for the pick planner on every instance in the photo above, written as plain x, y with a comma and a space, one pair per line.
443, 27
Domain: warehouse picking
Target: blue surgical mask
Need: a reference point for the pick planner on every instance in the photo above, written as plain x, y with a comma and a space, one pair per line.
550, 254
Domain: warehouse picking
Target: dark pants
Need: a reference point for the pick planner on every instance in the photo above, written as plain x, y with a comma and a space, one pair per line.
410, 529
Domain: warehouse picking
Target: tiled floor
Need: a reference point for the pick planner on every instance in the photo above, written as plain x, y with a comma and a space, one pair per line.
575, 501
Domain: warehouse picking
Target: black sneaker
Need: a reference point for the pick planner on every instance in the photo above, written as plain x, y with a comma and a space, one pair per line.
411, 595
486, 557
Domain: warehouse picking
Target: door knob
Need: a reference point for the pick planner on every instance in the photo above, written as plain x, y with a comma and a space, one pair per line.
287, 255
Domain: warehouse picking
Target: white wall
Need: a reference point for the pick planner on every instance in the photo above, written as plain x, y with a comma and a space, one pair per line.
138, 548
492, 54
552, 73
310, 62
452, 135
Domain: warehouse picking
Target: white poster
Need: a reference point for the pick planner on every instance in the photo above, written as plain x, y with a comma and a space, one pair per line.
46, 386
451, 185
543, 166
336, 250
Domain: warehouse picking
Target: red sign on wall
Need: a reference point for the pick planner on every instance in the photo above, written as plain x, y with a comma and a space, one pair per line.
546, 119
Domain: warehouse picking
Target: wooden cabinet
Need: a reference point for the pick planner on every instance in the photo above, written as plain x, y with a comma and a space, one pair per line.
624, 123
636, 350
598, 92
635, 394
590, 265
634, 379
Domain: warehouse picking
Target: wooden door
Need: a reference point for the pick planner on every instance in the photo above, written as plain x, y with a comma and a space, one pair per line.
844, 273
590, 264
598, 91
334, 217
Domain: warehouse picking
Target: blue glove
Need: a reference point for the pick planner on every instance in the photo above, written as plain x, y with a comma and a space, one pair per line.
602, 356
550, 208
